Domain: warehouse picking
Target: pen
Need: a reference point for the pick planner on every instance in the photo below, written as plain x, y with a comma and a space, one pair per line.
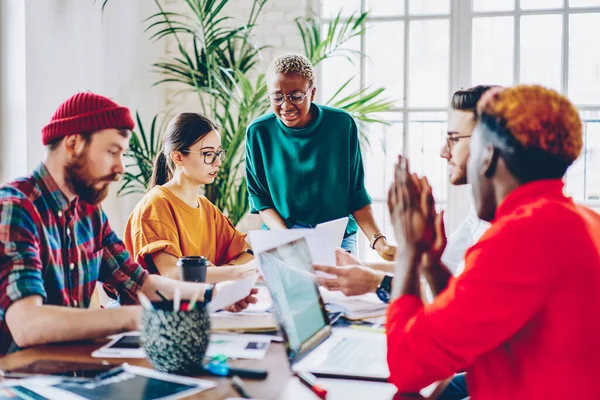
162, 296
309, 380
146, 304
239, 387
193, 300
176, 299
247, 373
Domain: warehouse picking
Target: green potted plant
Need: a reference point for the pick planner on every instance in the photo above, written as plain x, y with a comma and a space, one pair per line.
216, 58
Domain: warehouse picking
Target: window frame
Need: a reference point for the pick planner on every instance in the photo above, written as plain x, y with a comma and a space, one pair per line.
461, 15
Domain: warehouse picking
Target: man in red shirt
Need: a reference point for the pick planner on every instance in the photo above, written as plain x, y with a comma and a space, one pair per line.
521, 318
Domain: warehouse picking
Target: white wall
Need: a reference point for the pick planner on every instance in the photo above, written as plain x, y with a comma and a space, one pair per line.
52, 49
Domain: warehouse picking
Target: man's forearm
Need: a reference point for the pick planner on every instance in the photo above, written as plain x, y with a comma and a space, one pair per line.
49, 324
385, 266
437, 277
167, 288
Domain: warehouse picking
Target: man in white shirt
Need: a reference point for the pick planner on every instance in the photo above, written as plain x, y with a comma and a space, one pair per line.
446, 259
355, 278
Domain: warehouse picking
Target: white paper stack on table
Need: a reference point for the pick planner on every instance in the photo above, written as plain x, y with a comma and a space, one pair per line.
354, 307
257, 317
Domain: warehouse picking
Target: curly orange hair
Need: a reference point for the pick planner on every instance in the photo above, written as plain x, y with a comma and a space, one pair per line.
537, 117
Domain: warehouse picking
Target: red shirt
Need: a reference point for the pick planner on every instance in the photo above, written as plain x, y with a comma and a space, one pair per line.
523, 318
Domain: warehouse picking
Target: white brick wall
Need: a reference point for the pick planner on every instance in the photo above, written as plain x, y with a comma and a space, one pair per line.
275, 28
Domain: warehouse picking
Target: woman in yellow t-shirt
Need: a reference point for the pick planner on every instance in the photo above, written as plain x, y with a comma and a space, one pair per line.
173, 221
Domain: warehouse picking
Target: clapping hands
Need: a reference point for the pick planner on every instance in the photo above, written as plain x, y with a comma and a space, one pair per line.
417, 226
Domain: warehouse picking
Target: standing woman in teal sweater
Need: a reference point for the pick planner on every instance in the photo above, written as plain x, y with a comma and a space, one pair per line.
303, 161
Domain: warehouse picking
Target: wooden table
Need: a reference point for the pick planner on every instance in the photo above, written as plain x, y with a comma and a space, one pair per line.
280, 383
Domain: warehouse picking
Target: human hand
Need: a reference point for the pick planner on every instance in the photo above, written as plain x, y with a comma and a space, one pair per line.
432, 257
410, 201
352, 280
385, 250
245, 302
342, 257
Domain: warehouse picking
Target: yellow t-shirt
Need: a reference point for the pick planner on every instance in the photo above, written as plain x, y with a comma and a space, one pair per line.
164, 222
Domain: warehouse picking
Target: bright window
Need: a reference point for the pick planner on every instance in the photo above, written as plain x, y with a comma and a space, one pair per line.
421, 51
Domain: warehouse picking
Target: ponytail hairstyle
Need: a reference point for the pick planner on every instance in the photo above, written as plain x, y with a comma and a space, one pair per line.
183, 131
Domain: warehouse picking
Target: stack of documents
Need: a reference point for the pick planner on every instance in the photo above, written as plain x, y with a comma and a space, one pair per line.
354, 307
243, 322
257, 317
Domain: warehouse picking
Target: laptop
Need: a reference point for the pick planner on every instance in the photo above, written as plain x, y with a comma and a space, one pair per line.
311, 343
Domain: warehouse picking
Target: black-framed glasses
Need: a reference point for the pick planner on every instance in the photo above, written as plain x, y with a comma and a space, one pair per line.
450, 140
297, 98
209, 156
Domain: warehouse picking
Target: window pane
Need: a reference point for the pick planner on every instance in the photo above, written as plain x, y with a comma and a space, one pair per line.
495, 5
380, 157
584, 3
379, 8
541, 58
584, 58
583, 181
492, 51
426, 7
429, 63
540, 4
592, 160
426, 136
384, 66
331, 8
335, 71
385, 143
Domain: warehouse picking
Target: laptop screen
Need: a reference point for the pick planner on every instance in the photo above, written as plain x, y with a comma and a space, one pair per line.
288, 272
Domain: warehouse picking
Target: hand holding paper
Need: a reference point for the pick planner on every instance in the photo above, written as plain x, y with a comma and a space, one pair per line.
237, 294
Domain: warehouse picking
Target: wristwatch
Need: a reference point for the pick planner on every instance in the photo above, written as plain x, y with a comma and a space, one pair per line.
375, 238
208, 294
384, 290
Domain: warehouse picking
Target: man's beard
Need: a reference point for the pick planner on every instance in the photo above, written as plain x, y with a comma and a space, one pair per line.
81, 182
462, 178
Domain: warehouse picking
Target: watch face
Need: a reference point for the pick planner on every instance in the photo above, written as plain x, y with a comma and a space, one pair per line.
383, 294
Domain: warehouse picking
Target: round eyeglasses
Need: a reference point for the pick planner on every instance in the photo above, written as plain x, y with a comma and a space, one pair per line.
297, 98
209, 156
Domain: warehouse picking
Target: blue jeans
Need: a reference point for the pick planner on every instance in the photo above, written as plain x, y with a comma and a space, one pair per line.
348, 244
456, 390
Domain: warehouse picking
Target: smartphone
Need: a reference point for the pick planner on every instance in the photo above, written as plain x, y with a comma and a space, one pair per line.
67, 369
126, 342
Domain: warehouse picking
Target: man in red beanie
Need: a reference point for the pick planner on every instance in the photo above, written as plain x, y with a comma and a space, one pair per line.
56, 242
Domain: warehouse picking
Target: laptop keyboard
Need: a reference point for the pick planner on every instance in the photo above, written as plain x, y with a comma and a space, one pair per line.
355, 354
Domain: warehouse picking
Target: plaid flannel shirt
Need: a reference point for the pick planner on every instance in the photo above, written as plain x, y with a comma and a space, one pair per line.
56, 249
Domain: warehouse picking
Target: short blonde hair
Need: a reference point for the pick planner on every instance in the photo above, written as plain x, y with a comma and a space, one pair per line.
292, 63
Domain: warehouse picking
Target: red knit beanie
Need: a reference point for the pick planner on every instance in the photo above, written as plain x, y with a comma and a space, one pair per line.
85, 113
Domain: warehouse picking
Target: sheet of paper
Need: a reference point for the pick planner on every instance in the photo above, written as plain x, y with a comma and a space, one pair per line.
231, 293
336, 230
354, 307
320, 248
319, 243
252, 347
